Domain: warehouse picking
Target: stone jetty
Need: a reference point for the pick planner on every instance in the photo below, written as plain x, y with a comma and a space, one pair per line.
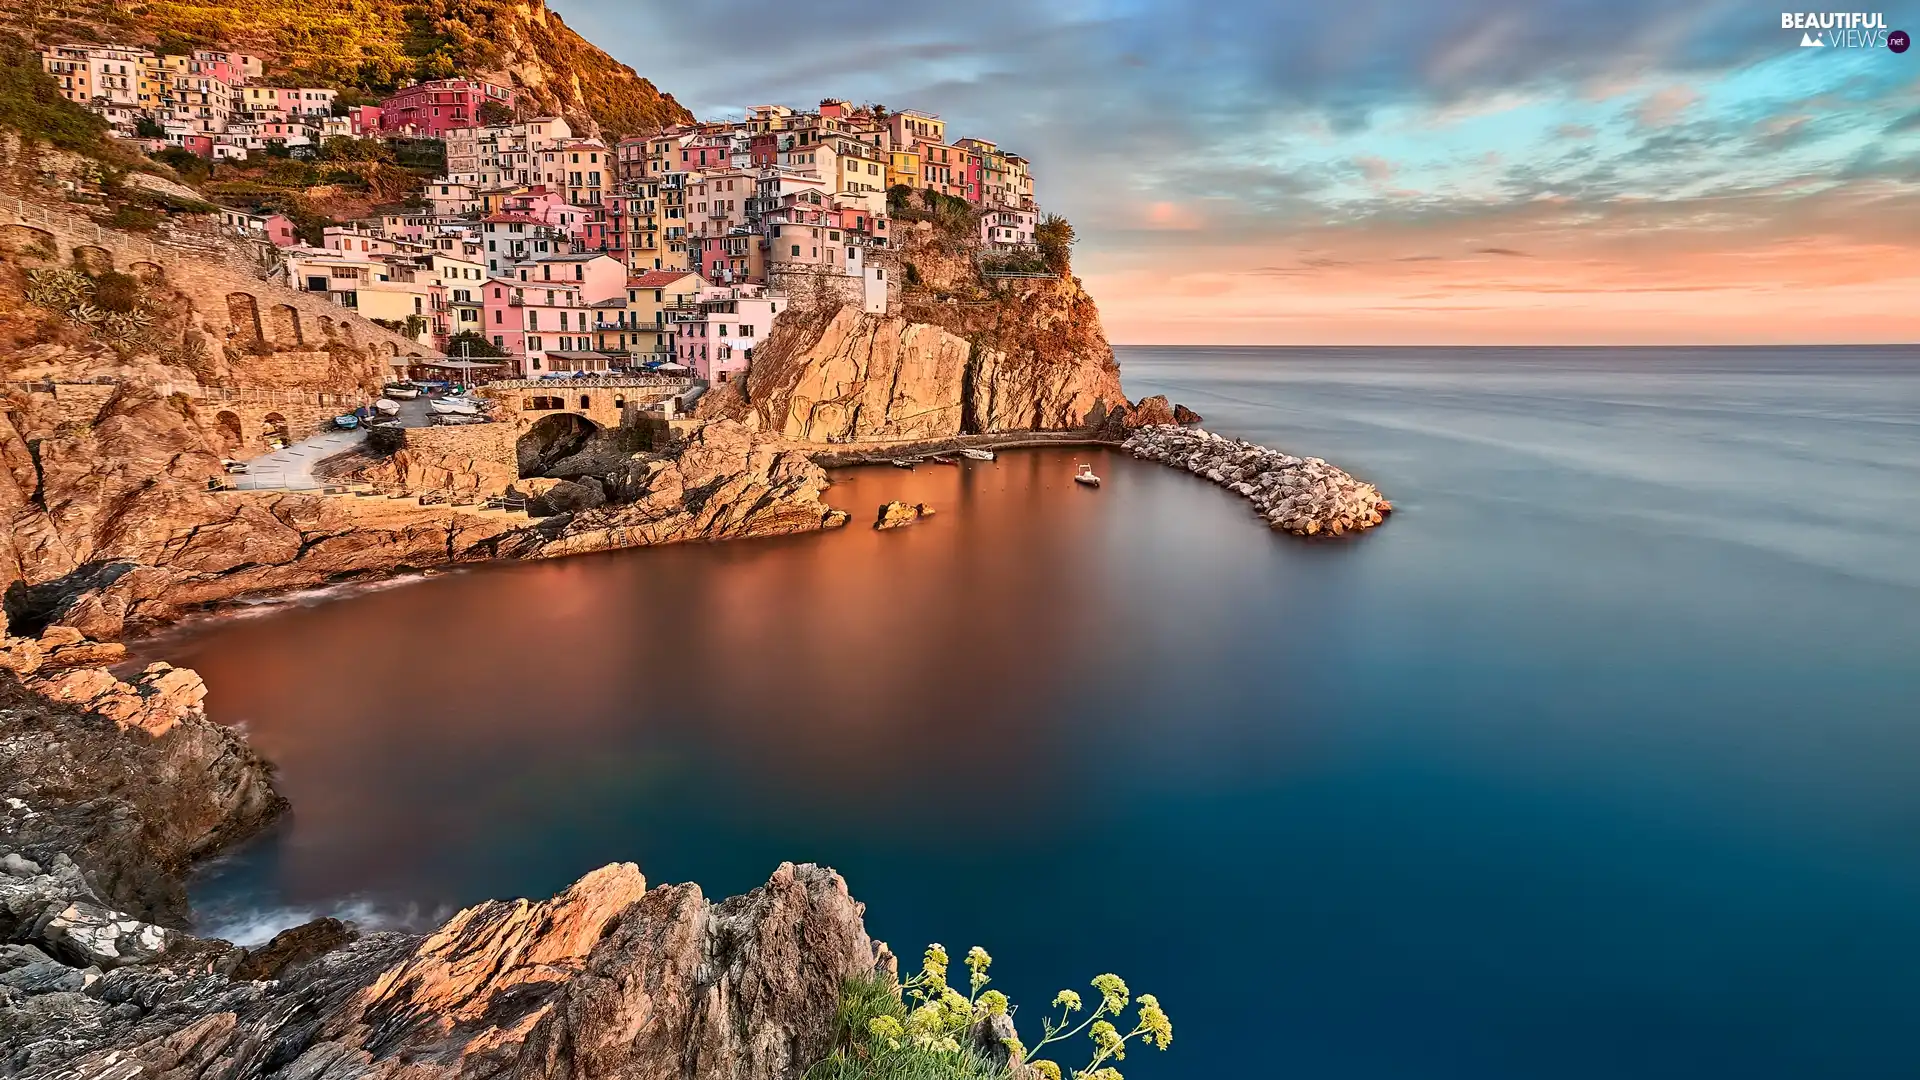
1304, 496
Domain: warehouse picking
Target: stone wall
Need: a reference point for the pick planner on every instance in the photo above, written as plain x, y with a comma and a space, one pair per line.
467, 458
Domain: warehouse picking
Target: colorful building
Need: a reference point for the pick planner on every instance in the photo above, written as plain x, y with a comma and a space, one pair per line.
431, 109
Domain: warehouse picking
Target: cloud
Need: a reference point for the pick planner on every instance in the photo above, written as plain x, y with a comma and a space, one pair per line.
1665, 107
1508, 252
1578, 132
1377, 170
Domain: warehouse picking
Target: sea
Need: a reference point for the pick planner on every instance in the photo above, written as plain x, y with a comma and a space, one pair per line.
1599, 759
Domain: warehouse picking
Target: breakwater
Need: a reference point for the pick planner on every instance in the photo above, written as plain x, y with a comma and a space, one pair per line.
1304, 496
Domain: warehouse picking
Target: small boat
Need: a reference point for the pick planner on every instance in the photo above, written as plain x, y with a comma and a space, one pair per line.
387, 406
902, 463
941, 459
400, 391
347, 421
453, 406
977, 455
1085, 476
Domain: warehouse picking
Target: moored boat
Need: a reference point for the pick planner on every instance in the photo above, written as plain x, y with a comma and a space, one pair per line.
1085, 476
453, 406
977, 455
902, 463
400, 391
347, 421
387, 406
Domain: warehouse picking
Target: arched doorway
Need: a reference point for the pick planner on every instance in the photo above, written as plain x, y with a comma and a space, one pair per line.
232, 435
552, 439
275, 429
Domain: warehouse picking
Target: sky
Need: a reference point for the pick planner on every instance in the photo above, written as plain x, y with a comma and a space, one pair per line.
1374, 172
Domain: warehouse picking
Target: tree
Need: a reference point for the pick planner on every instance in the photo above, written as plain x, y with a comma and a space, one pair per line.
1055, 236
475, 344
494, 112
147, 127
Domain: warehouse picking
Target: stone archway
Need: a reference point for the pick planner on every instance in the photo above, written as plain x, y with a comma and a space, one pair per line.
25, 240
552, 438
227, 424
286, 326
243, 318
274, 427
148, 272
92, 259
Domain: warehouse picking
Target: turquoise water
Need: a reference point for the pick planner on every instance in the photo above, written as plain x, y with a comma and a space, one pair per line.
1600, 759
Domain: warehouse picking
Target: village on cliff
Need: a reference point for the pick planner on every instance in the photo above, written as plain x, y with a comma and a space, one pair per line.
564, 254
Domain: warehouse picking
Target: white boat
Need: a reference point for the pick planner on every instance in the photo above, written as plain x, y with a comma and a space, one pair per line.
1085, 476
453, 406
386, 406
977, 455
401, 393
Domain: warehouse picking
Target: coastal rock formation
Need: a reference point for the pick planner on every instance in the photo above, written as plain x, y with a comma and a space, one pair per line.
1032, 358
608, 979
723, 484
1184, 415
895, 514
128, 779
860, 376
1305, 496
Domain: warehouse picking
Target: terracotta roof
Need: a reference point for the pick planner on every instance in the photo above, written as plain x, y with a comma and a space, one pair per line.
657, 279
512, 219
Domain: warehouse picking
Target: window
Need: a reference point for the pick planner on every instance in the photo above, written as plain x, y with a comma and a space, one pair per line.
796, 251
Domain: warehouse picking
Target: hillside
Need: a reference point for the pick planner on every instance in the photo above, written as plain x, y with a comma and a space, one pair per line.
373, 46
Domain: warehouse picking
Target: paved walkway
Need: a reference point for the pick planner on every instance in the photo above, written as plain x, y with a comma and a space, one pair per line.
292, 468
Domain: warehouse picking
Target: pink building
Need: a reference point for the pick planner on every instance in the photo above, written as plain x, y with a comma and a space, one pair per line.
365, 120
534, 320
597, 277
433, 108
726, 325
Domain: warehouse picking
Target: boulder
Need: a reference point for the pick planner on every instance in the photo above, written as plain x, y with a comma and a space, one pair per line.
1184, 415
89, 935
895, 514
294, 946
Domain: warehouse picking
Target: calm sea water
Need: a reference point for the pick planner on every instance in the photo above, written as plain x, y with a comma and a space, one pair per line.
1601, 759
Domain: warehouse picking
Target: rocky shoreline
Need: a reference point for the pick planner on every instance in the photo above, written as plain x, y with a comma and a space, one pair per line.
1303, 496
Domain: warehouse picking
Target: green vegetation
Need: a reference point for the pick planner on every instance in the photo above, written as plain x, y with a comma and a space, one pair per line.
1055, 236
927, 1030
110, 306
372, 47
30, 103
472, 343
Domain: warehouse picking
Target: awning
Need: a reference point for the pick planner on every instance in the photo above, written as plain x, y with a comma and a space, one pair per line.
456, 365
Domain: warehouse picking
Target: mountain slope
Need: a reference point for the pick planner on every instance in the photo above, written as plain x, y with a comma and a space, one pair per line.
374, 46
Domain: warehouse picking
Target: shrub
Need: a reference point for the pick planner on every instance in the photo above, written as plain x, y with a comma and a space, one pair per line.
134, 219
475, 344
927, 1030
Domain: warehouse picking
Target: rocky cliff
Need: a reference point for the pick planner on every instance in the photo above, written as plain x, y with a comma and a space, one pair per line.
957, 353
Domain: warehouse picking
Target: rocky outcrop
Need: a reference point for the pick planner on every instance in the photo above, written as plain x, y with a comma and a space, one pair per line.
1305, 496
1184, 415
609, 979
723, 484
129, 779
860, 376
1031, 359
895, 514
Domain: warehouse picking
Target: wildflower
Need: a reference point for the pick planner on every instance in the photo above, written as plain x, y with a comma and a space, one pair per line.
1107, 1042
888, 1029
1113, 989
1068, 1000
977, 963
1154, 1023
1108, 1073
934, 966
993, 1003
1047, 1069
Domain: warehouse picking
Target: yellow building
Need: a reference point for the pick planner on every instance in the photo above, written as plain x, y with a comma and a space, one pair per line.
903, 167
643, 330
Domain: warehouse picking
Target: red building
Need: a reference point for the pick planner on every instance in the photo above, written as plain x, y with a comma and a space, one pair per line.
431, 109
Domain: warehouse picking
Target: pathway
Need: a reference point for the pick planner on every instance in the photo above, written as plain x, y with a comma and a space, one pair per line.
292, 468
